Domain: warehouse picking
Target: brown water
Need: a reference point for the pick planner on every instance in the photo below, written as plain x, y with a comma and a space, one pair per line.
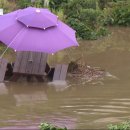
76, 103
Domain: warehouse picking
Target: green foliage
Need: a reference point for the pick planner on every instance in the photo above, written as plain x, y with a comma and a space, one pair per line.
122, 126
38, 3
85, 17
90, 17
122, 15
102, 3
74, 7
118, 13
82, 30
7, 6
57, 4
1, 48
26, 3
60, 14
46, 126
107, 16
102, 31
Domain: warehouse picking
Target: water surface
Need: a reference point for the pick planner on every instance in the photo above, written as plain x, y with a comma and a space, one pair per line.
76, 103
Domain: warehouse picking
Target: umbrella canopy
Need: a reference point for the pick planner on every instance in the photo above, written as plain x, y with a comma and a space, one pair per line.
34, 29
39, 18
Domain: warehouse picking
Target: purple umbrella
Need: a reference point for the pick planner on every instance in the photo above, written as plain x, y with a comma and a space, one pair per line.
34, 29
39, 18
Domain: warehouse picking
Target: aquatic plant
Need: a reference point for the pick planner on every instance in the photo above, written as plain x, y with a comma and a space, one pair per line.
121, 126
47, 126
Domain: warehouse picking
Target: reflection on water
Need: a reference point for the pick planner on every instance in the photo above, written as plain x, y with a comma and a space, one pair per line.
58, 85
75, 103
23, 99
3, 89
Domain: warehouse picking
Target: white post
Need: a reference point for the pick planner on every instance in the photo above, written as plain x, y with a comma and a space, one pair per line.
1, 12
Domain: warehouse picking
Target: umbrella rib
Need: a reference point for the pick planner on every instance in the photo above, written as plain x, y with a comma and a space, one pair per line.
50, 19
24, 15
68, 36
11, 43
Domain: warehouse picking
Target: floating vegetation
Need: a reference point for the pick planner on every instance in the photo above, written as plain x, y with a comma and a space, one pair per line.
85, 72
47, 126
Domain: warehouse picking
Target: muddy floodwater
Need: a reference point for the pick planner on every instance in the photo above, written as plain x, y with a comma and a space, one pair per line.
76, 103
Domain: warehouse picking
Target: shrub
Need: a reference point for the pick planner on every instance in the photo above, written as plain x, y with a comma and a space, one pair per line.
122, 15
117, 13
83, 31
85, 17
57, 4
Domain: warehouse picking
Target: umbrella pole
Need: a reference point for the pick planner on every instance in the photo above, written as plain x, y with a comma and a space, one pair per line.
4, 52
11, 43
3, 55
